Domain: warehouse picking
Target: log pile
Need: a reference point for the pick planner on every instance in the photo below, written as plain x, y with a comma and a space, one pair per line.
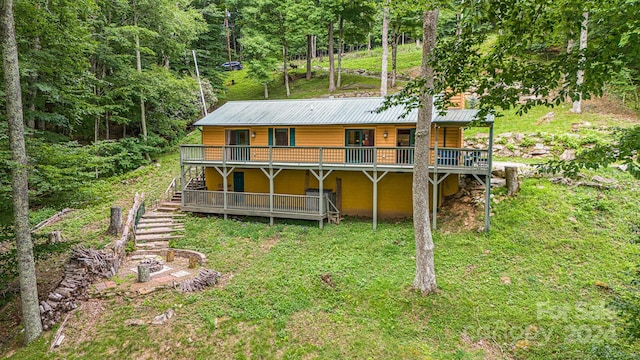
84, 266
204, 279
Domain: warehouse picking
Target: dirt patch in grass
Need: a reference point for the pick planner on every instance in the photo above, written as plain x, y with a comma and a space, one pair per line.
82, 325
611, 107
269, 243
489, 348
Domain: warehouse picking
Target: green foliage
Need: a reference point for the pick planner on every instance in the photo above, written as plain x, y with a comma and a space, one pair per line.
623, 149
627, 305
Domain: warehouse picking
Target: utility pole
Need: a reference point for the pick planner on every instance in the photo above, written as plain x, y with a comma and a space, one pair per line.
204, 105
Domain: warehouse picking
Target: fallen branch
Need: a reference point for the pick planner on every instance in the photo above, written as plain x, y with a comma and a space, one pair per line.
51, 220
59, 337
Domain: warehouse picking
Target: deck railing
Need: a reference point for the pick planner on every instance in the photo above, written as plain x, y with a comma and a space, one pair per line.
283, 203
348, 156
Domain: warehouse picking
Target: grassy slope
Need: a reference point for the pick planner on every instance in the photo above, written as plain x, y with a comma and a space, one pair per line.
552, 242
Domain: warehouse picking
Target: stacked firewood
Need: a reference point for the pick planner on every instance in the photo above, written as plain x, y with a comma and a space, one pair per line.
204, 279
84, 266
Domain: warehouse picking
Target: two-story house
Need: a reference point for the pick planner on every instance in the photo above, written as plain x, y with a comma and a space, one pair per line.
318, 159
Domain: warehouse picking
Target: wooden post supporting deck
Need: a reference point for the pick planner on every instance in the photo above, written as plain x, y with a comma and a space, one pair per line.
375, 179
435, 180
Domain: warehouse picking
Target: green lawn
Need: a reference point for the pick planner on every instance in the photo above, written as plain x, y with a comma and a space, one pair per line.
245, 88
536, 287
533, 278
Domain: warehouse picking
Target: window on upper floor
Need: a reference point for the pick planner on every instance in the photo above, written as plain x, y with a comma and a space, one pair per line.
282, 136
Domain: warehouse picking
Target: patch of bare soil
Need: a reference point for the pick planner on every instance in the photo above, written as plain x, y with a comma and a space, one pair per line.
81, 326
414, 72
489, 348
266, 245
612, 107
461, 211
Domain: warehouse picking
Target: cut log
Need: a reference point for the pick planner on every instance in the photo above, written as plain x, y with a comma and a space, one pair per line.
144, 273
116, 221
55, 237
511, 176
170, 255
193, 262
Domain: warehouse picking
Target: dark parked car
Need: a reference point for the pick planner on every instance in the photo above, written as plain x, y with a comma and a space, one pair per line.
234, 65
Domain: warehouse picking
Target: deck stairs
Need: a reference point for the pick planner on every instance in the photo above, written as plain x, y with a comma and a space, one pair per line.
157, 227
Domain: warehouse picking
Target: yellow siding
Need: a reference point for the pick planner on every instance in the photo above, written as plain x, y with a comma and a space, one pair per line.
333, 136
213, 135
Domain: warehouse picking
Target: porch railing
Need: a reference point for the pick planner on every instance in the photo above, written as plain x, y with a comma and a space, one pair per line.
371, 156
283, 203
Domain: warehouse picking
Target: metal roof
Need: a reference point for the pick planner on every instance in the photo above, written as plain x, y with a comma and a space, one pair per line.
343, 111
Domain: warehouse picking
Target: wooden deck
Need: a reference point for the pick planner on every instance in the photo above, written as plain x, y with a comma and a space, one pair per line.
441, 160
255, 204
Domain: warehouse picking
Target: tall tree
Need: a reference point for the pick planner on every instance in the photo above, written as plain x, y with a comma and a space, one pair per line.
332, 83
15, 117
385, 49
425, 279
584, 31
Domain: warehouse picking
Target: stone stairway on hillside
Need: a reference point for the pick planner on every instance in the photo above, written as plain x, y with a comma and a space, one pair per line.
157, 227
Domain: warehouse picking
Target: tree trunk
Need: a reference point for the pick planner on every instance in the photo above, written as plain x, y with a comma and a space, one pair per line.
116, 221
385, 50
266, 91
15, 120
143, 115
394, 55
309, 52
340, 27
369, 42
332, 82
106, 126
511, 177
144, 273
577, 105
55, 237
284, 63
425, 280
314, 47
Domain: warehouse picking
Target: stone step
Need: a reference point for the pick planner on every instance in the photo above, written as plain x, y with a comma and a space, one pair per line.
162, 220
155, 215
157, 237
164, 230
154, 245
173, 204
167, 209
160, 224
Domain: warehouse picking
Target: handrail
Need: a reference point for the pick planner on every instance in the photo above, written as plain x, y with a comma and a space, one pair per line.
345, 155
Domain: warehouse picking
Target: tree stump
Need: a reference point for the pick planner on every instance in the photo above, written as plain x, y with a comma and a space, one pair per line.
55, 237
193, 262
170, 255
511, 176
144, 273
116, 221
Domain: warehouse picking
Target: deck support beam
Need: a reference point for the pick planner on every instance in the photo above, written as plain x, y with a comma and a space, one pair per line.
487, 202
225, 172
375, 179
435, 181
271, 176
320, 176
